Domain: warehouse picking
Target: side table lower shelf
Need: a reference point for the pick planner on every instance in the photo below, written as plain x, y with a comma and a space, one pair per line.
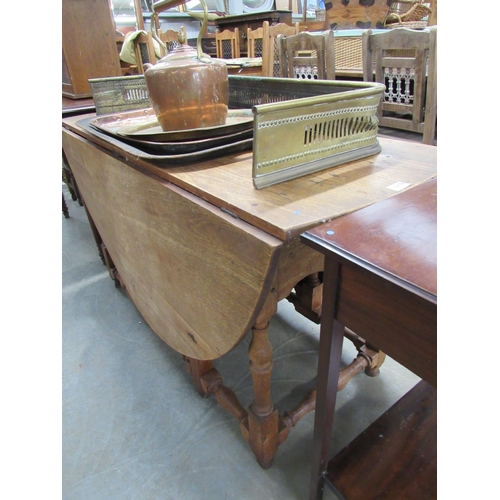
396, 457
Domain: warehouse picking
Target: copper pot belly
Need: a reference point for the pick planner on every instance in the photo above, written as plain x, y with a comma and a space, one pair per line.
187, 93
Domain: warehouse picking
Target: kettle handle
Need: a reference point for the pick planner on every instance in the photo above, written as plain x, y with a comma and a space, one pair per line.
201, 56
168, 4
155, 22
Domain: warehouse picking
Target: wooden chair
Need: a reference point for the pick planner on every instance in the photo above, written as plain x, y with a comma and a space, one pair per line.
307, 55
410, 99
171, 39
255, 39
227, 44
144, 50
270, 49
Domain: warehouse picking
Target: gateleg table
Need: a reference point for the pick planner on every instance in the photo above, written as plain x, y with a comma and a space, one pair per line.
206, 257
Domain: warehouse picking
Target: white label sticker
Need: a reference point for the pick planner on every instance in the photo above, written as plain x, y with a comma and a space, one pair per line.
398, 186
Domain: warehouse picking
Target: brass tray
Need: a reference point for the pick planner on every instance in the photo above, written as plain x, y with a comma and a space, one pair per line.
183, 147
236, 144
142, 124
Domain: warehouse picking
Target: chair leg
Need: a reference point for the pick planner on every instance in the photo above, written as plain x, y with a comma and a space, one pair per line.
64, 207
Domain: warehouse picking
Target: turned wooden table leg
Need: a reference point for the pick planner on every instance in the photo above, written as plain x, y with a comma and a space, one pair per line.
263, 418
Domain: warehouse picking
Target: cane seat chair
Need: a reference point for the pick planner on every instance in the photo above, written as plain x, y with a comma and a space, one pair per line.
404, 60
227, 44
309, 56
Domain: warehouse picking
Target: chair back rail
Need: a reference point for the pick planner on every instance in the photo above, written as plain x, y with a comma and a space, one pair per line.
144, 50
308, 55
171, 38
255, 39
270, 48
227, 43
404, 60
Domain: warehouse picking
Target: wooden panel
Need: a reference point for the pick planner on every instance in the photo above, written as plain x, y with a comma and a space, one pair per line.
396, 457
362, 14
397, 237
198, 276
389, 313
89, 45
253, 21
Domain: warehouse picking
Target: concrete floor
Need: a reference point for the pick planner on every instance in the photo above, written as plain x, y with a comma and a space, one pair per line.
134, 426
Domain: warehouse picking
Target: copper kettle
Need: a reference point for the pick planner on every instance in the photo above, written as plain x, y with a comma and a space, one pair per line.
187, 88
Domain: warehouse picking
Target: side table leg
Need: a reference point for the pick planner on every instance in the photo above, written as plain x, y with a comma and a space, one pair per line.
329, 359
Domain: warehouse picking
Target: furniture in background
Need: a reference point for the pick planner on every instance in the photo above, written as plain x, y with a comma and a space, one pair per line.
262, 42
255, 41
380, 281
228, 43
253, 21
308, 56
255, 252
144, 50
270, 47
360, 14
411, 14
88, 46
73, 107
171, 38
349, 54
433, 16
410, 77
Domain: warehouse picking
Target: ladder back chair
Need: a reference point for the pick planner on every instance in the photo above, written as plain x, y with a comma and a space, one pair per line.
255, 41
171, 39
405, 61
227, 44
270, 49
309, 56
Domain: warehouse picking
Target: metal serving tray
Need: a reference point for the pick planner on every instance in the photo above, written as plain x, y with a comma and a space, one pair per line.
142, 125
181, 156
140, 128
299, 126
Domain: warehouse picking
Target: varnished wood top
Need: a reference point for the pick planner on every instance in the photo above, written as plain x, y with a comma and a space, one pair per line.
288, 209
77, 106
397, 237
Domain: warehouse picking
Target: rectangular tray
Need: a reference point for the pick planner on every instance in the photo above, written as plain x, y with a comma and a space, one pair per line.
168, 160
196, 140
299, 126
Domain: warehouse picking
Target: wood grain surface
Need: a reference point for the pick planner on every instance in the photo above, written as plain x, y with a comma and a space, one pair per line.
286, 210
396, 456
198, 276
